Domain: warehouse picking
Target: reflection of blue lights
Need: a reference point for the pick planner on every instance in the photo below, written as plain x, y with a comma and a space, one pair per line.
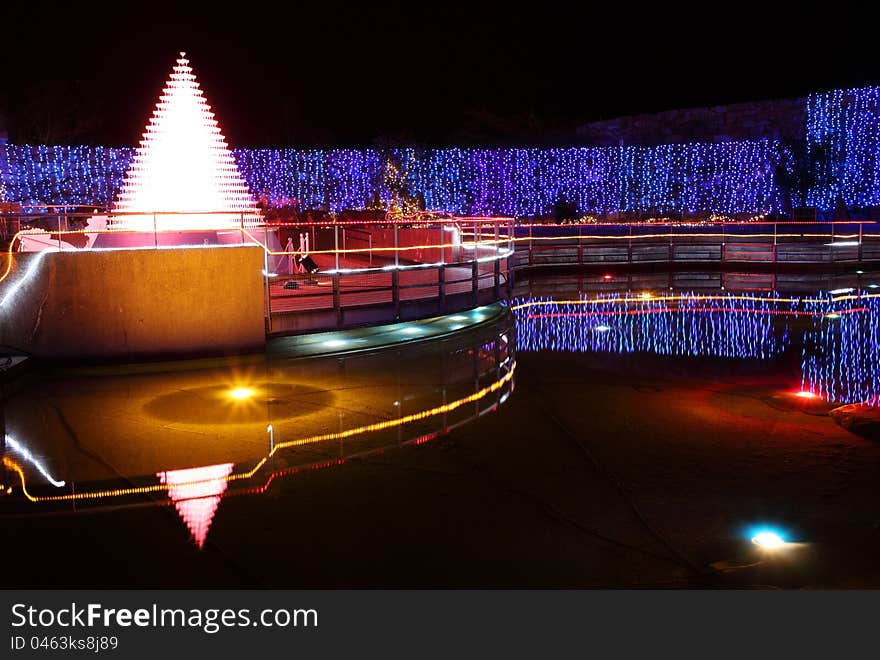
22, 451
725, 327
841, 358
840, 350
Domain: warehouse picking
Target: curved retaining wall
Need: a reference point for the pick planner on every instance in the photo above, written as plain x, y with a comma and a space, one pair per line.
139, 304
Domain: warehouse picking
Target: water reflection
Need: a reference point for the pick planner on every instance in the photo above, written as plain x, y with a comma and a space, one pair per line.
191, 434
196, 495
837, 333
841, 354
718, 326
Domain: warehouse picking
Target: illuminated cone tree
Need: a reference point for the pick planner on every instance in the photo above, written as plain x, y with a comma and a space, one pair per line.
184, 166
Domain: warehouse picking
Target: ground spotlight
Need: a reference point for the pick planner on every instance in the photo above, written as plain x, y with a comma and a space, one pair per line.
768, 540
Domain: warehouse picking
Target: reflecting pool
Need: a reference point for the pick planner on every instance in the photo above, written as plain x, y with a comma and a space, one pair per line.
653, 433
836, 333
191, 433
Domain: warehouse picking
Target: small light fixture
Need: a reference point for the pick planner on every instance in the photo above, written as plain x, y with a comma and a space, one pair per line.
806, 394
767, 540
241, 393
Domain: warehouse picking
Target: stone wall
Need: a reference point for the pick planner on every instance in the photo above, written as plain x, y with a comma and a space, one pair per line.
741, 121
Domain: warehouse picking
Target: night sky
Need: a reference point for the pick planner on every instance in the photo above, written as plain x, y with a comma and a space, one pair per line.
329, 74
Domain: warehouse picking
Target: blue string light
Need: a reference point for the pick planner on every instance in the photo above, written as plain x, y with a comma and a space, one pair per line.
728, 177
721, 178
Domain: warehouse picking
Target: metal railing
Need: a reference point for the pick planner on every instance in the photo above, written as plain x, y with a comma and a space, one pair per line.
694, 243
328, 274
398, 270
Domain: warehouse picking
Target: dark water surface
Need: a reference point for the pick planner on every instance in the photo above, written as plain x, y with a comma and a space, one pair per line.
648, 432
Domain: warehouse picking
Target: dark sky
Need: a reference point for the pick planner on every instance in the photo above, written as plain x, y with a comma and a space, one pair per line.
325, 73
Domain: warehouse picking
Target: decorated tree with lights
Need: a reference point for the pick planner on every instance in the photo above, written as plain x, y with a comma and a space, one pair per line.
183, 166
397, 180
802, 166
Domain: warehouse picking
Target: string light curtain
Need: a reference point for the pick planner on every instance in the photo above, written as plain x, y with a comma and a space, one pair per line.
722, 178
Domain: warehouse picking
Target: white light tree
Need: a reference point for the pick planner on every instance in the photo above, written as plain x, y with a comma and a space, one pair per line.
183, 166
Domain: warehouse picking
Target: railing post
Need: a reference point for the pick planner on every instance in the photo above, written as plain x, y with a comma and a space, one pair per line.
775, 242
860, 242
155, 231
396, 251
831, 246
337, 305
629, 245
496, 292
266, 278
241, 224
475, 279
531, 257
580, 248
441, 288
395, 292
336, 245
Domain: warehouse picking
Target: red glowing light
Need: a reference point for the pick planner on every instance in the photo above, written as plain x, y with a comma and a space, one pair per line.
805, 394
607, 277
196, 495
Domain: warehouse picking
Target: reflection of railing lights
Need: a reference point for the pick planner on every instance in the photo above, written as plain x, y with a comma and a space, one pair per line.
324, 437
22, 451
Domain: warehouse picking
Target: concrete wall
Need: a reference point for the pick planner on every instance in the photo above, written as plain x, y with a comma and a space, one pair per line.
134, 303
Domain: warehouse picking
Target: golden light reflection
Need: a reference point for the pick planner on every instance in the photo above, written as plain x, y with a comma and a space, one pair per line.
241, 393
323, 437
